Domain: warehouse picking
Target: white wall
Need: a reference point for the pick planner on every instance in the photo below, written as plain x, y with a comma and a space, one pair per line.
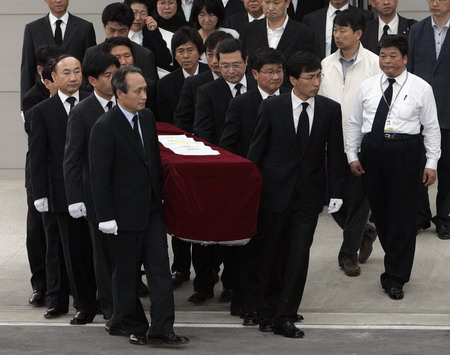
13, 17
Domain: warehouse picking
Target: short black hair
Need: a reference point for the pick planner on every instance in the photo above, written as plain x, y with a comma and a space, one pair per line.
266, 55
47, 72
119, 80
96, 65
231, 45
144, 2
47, 53
185, 34
112, 42
214, 7
214, 38
118, 12
398, 41
350, 18
302, 62
58, 59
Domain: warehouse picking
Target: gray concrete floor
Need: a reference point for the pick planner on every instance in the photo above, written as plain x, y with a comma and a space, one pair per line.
343, 315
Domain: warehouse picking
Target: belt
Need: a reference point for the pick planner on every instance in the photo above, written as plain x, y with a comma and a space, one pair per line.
397, 136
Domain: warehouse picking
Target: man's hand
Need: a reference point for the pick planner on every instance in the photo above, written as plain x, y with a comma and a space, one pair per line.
356, 168
429, 177
151, 23
108, 227
335, 205
77, 210
41, 204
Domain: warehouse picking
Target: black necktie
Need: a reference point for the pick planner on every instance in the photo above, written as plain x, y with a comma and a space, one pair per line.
333, 44
385, 31
109, 105
71, 100
58, 33
379, 121
136, 132
238, 87
303, 129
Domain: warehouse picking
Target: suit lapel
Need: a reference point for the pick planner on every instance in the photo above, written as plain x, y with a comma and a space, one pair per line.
46, 30
318, 120
261, 34
444, 49
429, 40
285, 37
71, 29
288, 122
402, 26
95, 107
322, 25
59, 113
373, 31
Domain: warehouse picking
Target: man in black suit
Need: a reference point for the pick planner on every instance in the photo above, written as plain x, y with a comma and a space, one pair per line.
98, 71
293, 135
36, 245
66, 248
321, 22
388, 21
429, 58
299, 8
183, 116
126, 178
278, 31
236, 136
254, 11
233, 7
59, 27
117, 19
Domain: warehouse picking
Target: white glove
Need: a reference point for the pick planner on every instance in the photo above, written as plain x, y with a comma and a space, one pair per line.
109, 227
77, 210
335, 205
41, 204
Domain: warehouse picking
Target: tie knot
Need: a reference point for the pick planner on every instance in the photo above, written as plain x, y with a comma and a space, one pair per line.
58, 23
337, 12
71, 100
238, 86
391, 81
305, 105
135, 119
109, 105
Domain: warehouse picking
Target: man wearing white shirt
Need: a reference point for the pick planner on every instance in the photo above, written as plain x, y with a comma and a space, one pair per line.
386, 125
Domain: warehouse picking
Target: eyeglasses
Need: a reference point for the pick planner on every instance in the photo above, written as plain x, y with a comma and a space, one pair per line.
141, 14
437, 1
273, 73
166, 3
227, 66
181, 51
312, 77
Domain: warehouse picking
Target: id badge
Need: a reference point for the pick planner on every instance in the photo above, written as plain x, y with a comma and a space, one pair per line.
389, 125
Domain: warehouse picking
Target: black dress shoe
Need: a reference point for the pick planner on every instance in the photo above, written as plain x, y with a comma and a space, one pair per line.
36, 298
177, 278
266, 325
250, 319
142, 289
225, 296
443, 232
115, 330
288, 330
138, 339
395, 293
82, 317
299, 318
200, 297
421, 227
108, 325
52, 313
167, 339
365, 250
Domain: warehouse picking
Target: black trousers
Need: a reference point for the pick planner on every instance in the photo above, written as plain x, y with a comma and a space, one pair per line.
36, 246
353, 217
181, 256
103, 270
443, 196
391, 180
286, 239
128, 250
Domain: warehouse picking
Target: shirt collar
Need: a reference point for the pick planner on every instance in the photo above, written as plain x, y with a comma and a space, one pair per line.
251, 18
103, 101
129, 116
332, 9
187, 2
53, 18
355, 56
391, 24
265, 95
131, 33
400, 80
64, 97
279, 28
296, 102
243, 82
187, 75
435, 25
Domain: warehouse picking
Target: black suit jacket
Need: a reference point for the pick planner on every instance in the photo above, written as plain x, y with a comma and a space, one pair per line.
36, 94
212, 104
305, 7
370, 37
169, 92
234, 7
237, 21
126, 183
76, 153
47, 140
183, 116
240, 121
317, 21
154, 41
143, 57
275, 151
78, 37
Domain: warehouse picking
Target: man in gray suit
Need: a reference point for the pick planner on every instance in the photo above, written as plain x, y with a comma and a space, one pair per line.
59, 27
429, 58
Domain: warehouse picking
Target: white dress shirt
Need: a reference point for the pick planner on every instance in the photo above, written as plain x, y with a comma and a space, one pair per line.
265, 95
297, 109
274, 36
251, 18
129, 116
186, 5
63, 98
439, 35
187, 75
63, 26
136, 37
393, 26
243, 87
412, 105
104, 102
331, 14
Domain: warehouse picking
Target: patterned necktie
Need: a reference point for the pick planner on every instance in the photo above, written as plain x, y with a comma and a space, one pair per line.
71, 100
58, 33
379, 121
303, 129
238, 87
